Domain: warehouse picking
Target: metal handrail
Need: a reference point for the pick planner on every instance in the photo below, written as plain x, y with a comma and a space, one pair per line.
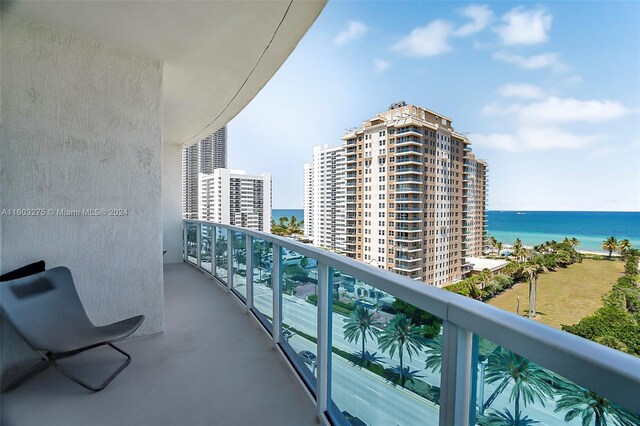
609, 372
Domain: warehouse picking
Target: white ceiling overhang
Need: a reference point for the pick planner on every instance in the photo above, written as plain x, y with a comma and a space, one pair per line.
217, 55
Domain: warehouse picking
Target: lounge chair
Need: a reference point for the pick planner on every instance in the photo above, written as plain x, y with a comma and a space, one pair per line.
46, 311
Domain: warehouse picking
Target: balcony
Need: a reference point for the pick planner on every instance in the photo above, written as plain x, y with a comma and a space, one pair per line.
175, 377
342, 390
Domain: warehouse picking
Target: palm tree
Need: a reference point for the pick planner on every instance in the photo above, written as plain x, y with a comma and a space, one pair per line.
281, 227
360, 325
624, 246
610, 245
589, 406
491, 242
539, 268
472, 287
434, 354
499, 246
574, 242
400, 334
506, 418
521, 253
517, 246
484, 277
531, 271
295, 226
529, 381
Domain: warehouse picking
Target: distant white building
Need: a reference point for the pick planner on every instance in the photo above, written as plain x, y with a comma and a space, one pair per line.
204, 157
233, 197
324, 198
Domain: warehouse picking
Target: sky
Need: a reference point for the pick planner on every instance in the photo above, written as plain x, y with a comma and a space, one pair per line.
549, 94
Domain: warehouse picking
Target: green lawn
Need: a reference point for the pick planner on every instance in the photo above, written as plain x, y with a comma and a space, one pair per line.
566, 295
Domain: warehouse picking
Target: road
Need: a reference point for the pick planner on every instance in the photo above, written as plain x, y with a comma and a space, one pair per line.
352, 388
370, 398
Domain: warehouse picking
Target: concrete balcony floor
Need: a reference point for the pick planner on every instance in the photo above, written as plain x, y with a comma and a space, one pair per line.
213, 365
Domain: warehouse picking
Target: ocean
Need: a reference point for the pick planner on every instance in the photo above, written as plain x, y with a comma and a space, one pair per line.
535, 227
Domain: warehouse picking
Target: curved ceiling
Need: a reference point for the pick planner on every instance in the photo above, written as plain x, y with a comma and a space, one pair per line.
217, 55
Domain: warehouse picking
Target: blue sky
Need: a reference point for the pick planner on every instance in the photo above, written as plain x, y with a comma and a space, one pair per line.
548, 92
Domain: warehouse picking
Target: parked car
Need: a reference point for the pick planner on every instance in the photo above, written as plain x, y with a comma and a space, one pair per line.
308, 358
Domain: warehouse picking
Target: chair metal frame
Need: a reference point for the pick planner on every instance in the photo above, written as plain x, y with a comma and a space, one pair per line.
49, 358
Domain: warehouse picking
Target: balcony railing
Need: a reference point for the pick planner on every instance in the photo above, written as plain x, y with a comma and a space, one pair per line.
303, 296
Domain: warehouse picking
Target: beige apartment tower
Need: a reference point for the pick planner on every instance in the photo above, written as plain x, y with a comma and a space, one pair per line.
406, 173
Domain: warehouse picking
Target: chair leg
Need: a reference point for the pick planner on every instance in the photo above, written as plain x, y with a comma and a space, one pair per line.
106, 382
42, 365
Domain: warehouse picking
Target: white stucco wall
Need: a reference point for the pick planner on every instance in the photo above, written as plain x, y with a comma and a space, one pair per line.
172, 202
81, 129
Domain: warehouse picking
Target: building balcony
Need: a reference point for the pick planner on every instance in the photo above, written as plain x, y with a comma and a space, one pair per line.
408, 170
409, 160
210, 350
408, 200
567, 358
407, 220
407, 268
408, 179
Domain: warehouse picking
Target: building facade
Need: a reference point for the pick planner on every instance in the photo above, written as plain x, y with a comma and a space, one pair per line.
405, 199
204, 157
233, 197
324, 198
474, 193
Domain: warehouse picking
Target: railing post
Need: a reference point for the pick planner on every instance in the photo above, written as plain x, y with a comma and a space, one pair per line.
199, 245
324, 338
456, 377
229, 258
249, 271
185, 226
276, 286
214, 258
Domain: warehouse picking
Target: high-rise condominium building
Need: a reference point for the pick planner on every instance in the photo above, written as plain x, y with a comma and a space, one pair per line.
235, 198
406, 206
204, 157
324, 198
474, 193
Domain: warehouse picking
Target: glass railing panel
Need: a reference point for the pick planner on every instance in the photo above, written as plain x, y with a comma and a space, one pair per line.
262, 288
300, 313
221, 253
205, 247
192, 242
511, 389
392, 376
239, 263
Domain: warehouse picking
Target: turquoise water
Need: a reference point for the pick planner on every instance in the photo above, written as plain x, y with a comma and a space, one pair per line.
535, 227
277, 213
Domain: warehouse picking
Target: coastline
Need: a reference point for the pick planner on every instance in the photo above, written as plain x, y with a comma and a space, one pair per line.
536, 227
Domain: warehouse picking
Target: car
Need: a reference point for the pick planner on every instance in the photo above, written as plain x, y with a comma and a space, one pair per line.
308, 357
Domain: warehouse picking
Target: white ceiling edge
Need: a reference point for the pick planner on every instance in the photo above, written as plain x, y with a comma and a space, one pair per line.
217, 55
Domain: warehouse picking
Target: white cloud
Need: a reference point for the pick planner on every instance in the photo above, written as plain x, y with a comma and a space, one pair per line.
521, 90
536, 138
355, 29
380, 65
426, 41
526, 27
570, 110
539, 125
480, 15
534, 62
